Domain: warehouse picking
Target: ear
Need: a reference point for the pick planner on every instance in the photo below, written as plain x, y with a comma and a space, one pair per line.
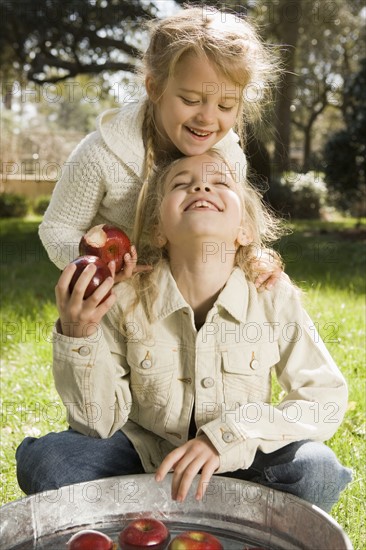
244, 237
159, 239
150, 86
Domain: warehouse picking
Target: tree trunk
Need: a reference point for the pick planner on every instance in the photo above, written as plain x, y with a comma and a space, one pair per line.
259, 161
308, 129
307, 149
289, 14
7, 100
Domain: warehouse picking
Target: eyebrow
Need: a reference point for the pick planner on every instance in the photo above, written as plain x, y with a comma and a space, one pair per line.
189, 91
210, 174
182, 173
226, 97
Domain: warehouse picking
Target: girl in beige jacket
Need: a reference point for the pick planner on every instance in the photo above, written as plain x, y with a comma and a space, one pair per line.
173, 371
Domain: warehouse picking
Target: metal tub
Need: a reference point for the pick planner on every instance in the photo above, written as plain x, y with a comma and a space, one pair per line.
241, 514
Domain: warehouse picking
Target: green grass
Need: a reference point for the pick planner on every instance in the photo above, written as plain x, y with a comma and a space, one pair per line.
326, 263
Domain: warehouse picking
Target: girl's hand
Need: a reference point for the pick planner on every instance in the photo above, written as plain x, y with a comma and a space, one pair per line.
267, 279
186, 461
130, 267
80, 318
268, 269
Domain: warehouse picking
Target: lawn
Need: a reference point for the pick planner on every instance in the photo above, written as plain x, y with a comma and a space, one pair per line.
327, 261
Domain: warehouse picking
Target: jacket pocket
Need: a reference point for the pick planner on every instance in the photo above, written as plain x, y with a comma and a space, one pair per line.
151, 375
247, 372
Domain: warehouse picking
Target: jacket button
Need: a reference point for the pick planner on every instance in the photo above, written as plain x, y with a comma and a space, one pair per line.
208, 382
146, 364
254, 364
228, 437
84, 351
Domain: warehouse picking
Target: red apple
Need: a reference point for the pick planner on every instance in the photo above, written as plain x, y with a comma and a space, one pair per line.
195, 540
107, 242
144, 533
100, 275
89, 539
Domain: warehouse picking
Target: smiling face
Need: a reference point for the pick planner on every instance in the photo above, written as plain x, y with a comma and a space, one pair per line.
201, 203
197, 107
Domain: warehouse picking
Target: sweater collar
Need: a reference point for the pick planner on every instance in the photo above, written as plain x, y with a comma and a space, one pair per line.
121, 131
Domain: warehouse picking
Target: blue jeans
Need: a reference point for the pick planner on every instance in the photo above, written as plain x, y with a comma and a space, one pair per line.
307, 469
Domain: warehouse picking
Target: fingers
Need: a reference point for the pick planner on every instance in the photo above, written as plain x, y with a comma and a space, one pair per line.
130, 267
268, 270
206, 475
82, 282
95, 299
265, 281
130, 261
62, 287
80, 317
187, 461
183, 476
168, 463
112, 268
186, 471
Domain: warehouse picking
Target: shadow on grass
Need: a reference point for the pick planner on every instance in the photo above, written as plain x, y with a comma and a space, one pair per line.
331, 256
314, 254
27, 274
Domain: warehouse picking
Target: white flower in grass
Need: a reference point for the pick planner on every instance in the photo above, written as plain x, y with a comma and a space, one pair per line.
31, 431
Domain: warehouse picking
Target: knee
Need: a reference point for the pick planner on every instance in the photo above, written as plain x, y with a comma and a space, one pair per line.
37, 465
25, 462
318, 462
311, 472
323, 477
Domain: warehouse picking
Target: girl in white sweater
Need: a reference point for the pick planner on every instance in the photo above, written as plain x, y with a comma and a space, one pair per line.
206, 74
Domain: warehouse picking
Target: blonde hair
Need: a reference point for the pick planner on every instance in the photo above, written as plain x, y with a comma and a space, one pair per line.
227, 40
258, 221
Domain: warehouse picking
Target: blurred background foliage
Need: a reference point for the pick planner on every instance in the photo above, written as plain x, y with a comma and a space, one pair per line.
65, 61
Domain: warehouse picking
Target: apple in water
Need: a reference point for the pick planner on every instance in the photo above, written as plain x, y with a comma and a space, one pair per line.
88, 539
101, 274
195, 540
107, 242
144, 533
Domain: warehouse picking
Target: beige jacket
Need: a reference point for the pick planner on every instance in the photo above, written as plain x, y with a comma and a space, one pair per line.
101, 181
147, 382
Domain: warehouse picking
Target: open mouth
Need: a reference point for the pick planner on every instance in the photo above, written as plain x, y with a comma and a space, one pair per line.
202, 205
199, 133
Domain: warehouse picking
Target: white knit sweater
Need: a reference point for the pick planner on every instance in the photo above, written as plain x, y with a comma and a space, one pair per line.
101, 180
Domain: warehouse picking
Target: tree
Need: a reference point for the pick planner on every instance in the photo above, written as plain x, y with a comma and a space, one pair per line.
328, 49
51, 40
47, 41
287, 22
345, 151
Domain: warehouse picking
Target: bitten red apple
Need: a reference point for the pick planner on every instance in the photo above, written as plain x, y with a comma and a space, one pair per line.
100, 275
107, 242
195, 540
88, 539
144, 533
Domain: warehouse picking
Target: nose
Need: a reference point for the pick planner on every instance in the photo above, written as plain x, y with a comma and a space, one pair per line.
201, 187
205, 114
